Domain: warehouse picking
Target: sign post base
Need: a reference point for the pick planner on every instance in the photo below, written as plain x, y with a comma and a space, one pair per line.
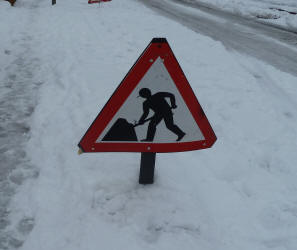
147, 168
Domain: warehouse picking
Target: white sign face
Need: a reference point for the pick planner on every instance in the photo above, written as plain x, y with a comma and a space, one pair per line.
154, 112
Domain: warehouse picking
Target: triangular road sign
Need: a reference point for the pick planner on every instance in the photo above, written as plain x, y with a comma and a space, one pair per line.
154, 109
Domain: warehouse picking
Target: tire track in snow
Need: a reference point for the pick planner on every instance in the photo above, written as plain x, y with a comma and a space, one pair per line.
18, 98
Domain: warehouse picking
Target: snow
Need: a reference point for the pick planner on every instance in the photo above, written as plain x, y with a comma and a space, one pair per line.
240, 194
4, 5
274, 12
19, 81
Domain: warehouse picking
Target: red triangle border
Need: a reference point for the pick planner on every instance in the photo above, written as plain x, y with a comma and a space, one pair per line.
158, 47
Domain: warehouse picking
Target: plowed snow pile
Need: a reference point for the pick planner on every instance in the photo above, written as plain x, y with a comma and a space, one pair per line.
282, 13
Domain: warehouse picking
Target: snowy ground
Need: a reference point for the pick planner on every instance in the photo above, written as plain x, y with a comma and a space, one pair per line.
240, 194
282, 13
19, 81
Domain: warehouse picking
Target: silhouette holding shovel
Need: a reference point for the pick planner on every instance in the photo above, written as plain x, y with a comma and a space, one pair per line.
162, 111
122, 130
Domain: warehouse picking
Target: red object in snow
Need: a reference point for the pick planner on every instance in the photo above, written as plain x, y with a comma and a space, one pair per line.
97, 1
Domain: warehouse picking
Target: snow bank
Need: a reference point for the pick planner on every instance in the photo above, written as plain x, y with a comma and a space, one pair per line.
275, 12
4, 5
241, 194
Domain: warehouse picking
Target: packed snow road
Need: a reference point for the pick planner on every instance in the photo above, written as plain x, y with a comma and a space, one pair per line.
272, 45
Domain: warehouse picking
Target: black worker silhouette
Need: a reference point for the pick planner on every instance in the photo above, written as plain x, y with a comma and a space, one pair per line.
162, 110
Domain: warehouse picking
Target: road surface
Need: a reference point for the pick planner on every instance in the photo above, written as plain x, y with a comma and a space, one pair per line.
270, 44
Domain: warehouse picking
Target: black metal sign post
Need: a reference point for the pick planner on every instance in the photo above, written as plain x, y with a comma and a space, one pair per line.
147, 168
53, 2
